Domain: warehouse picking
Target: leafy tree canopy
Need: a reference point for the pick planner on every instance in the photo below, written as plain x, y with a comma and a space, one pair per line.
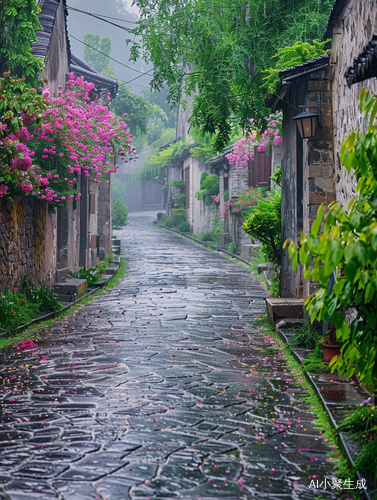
98, 56
219, 49
18, 21
138, 109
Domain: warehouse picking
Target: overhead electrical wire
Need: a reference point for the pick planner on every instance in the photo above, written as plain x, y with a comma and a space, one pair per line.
106, 55
100, 16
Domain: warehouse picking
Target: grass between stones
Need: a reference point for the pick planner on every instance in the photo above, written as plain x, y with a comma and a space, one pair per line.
32, 332
321, 419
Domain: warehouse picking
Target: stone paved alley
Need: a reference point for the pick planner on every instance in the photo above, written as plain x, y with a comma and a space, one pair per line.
161, 388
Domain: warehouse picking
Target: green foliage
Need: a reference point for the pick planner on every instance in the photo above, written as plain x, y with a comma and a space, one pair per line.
209, 186
156, 162
132, 104
361, 425
119, 214
213, 235
231, 247
347, 245
178, 183
168, 223
184, 227
42, 296
263, 222
305, 336
18, 309
91, 275
292, 56
98, 61
218, 51
179, 201
314, 362
178, 216
18, 21
276, 176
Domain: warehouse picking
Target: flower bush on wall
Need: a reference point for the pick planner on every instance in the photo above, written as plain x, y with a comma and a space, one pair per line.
46, 142
244, 149
245, 199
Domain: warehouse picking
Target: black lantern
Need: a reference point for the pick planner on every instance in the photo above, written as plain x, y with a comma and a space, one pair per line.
307, 122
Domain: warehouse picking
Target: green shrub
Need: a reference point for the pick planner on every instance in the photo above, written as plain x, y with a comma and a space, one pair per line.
90, 275
164, 218
119, 214
179, 201
361, 425
178, 183
184, 227
42, 296
263, 222
306, 336
160, 215
178, 216
209, 186
168, 223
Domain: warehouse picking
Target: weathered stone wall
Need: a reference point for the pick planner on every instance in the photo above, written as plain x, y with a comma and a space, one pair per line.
307, 168
27, 243
104, 219
354, 29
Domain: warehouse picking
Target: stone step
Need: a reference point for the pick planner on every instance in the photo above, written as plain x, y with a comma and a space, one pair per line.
278, 309
71, 287
61, 274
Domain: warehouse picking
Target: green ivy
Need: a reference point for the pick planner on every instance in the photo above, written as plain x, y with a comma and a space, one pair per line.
18, 21
209, 186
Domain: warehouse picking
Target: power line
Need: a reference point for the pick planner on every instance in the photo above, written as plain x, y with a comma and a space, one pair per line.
124, 28
106, 55
100, 16
136, 77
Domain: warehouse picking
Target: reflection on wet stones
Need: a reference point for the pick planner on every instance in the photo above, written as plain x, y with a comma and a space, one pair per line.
161, 388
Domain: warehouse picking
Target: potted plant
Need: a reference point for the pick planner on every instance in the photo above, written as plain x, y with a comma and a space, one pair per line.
330, 347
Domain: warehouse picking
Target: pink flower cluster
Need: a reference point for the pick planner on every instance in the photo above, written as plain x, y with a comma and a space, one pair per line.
244, 149
86, 131
25, 345
216, 197
247, 198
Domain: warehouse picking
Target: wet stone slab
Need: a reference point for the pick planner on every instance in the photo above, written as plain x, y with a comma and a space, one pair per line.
160, 388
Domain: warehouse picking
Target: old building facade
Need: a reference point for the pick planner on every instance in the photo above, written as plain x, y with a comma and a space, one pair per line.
329, 86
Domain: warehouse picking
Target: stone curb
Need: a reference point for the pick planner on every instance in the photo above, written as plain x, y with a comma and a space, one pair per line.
204, 243
342, 443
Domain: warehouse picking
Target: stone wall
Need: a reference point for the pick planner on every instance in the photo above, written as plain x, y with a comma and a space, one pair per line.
27, 243
353, 30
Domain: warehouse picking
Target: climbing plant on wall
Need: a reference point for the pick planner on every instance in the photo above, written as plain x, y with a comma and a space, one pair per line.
18, 22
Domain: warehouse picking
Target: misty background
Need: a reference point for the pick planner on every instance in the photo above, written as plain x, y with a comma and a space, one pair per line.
134, 190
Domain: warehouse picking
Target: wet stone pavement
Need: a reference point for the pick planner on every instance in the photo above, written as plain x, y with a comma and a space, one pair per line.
161, 388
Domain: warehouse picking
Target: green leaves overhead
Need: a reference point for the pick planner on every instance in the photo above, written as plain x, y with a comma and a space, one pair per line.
218, 50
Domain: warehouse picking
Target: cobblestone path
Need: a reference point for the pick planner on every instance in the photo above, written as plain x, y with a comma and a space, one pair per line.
161, 388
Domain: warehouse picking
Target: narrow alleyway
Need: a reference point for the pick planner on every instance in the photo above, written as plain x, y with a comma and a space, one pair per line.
162, 388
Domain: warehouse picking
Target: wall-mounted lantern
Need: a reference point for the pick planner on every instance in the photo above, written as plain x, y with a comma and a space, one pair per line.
307, 122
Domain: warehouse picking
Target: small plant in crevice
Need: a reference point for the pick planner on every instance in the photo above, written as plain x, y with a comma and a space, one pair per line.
306, 336
361, 425
314, 362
